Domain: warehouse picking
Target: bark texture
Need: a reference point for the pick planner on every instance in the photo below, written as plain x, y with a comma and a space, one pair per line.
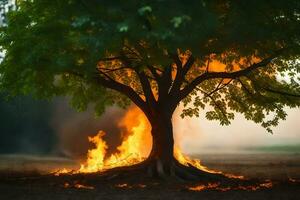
161, 156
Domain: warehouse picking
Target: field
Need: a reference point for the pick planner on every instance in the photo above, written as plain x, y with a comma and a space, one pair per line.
21, 178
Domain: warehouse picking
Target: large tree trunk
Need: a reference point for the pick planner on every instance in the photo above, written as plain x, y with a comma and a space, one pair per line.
161, 157
161, 162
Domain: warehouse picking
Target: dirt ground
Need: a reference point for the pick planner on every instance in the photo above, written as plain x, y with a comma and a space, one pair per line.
269, 176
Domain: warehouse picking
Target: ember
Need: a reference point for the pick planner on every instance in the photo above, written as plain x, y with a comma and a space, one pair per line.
63, 171
204, 187
78, 186
125, 185
294, 180
218, 187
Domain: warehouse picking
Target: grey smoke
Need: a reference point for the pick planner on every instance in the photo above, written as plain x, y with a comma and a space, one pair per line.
73, 128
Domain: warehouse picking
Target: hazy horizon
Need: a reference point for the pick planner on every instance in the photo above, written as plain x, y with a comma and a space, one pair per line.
240, 134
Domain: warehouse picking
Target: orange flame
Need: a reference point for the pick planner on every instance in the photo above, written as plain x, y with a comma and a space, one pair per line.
204, 187
218, 187
134, 149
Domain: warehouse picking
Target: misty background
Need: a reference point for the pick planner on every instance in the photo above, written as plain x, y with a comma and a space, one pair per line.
38, 127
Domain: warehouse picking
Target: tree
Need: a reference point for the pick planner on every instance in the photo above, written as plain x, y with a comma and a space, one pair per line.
232, 56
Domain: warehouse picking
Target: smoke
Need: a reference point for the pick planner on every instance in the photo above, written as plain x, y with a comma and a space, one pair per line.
73, 128
192, 134
198, 135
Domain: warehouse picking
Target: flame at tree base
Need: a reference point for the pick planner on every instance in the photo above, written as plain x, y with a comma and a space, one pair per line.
96, 160
134, 149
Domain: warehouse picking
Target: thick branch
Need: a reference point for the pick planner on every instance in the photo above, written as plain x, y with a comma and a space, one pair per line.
232, 75
189, 63
273, 90
281, 92
119, 87
146, 87
181, 73
124, 89
153, 72
165, 83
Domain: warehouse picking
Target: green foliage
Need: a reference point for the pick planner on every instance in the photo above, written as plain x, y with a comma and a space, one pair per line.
48, 43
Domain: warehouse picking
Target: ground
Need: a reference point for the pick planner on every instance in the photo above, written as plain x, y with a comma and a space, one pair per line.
282, 170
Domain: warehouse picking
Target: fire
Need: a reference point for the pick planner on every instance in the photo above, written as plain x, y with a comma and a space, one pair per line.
204, 187
95, 157
62, 171
135, 148
185, 160
78, 186
127, 186
218, 187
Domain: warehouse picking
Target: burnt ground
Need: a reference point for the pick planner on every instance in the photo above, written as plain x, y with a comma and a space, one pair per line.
281, 170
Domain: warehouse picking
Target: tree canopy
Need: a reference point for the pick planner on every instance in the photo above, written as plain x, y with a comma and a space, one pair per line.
229, 56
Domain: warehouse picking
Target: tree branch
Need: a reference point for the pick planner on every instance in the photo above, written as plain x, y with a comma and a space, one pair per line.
211, 75
281, 92
153, 72
214, 101
244, 86
111, 58
119, 87
218, 88
181, 72
272, 90
165, 83
207, 66
146, 87
106, 70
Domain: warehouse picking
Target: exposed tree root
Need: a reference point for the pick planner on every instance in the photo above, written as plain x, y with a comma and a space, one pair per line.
165, 171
